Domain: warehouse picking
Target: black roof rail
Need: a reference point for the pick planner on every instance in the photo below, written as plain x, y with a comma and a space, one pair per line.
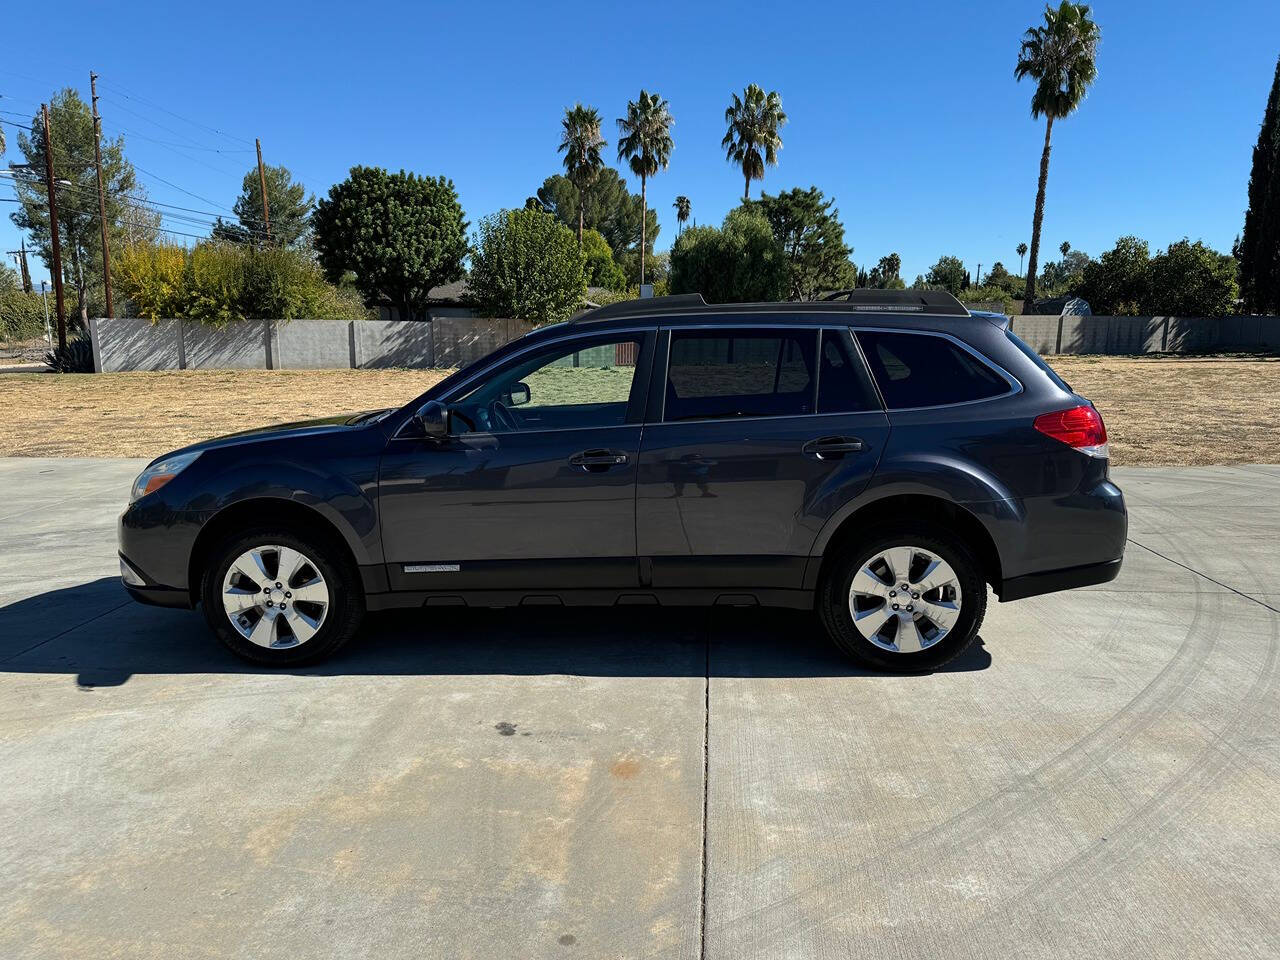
626, 308
900, 301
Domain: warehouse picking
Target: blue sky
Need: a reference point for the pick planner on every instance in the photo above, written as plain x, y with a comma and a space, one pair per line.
907, 113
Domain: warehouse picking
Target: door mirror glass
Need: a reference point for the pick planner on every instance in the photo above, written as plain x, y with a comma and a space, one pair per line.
519, 394
433, 418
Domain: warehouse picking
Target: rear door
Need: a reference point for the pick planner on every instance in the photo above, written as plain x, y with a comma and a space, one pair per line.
757, 433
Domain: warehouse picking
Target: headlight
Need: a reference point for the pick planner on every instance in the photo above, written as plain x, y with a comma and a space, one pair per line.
161, 472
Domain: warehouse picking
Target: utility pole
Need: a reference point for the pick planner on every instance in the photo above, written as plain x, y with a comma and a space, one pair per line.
262, 182
102, 203
53, 229
20, 259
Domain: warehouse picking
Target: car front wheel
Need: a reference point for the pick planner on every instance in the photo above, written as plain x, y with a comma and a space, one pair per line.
279, 598
907, 600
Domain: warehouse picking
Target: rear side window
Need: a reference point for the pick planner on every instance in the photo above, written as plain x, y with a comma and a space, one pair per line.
716, 374
919, 370
843, 385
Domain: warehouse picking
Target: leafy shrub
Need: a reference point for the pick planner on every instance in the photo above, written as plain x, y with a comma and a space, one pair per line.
75, 357
21, 315
600, 268
217, 283
740, 263
526, 265
1192, 280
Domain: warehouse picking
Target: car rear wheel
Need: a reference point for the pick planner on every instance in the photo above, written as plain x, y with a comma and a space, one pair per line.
279, 598
906, 600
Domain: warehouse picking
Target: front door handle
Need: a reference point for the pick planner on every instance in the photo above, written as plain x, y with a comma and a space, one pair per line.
597, 460
832, 448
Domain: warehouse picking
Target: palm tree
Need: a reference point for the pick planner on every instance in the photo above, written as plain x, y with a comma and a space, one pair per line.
1065, 247
1022, 252
753, 121
1061, 58
645, 143
581, 145
683, 207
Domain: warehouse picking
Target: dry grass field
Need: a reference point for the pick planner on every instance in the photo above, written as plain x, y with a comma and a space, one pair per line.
1159, 410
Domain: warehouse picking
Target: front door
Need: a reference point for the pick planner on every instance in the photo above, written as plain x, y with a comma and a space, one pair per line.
764, 433
535, 487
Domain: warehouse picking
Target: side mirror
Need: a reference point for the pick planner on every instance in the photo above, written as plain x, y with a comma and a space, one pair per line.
519, 394
433, 418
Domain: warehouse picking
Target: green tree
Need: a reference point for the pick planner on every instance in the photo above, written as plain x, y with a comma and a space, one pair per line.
683, 209
1062, 276
1259, 247
288, 204
808, 227
753, 140
398, 233
606, 205
1060, 57
79, 229
598, 263
1192, 280
885, 275
1118, 283
526, 265
947, 274
1022, 252
581, 143
742, 262
646, 145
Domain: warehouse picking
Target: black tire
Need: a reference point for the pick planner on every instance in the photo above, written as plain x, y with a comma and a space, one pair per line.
341, 618
833, 598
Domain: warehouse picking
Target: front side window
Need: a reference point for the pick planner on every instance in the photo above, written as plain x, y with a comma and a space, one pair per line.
921, 370
567, 386
719, 374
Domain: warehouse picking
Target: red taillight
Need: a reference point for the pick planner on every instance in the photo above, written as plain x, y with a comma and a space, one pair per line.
1080, 427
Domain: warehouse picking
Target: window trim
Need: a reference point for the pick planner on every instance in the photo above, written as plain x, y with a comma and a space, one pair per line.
1014, 384
816, 329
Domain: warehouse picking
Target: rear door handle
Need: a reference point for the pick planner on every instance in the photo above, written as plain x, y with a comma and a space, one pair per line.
597, 460
832, 448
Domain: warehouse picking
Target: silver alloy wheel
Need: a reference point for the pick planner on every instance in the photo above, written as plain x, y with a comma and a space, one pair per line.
904, 599
275, 596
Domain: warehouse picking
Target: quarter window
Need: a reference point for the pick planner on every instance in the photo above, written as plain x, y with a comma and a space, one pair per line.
919, 370
717, 374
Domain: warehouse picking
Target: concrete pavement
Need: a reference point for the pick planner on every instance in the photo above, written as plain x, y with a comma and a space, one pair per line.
1100, 777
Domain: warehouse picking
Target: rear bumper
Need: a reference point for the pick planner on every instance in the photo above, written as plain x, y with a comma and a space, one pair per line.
160, 596
1050, 581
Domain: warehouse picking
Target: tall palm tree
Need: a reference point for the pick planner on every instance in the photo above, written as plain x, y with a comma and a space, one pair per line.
1061, 58
1065, 247
752, 139
1022, 252
683, 208
645, 143
580, 144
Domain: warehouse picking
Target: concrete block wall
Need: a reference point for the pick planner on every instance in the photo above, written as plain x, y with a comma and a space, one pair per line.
132, 344
449, 341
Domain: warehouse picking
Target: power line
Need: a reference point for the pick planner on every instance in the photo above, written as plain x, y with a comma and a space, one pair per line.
139, 99
119, 222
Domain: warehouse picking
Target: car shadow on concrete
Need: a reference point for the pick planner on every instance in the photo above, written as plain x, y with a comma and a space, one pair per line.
96, 633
